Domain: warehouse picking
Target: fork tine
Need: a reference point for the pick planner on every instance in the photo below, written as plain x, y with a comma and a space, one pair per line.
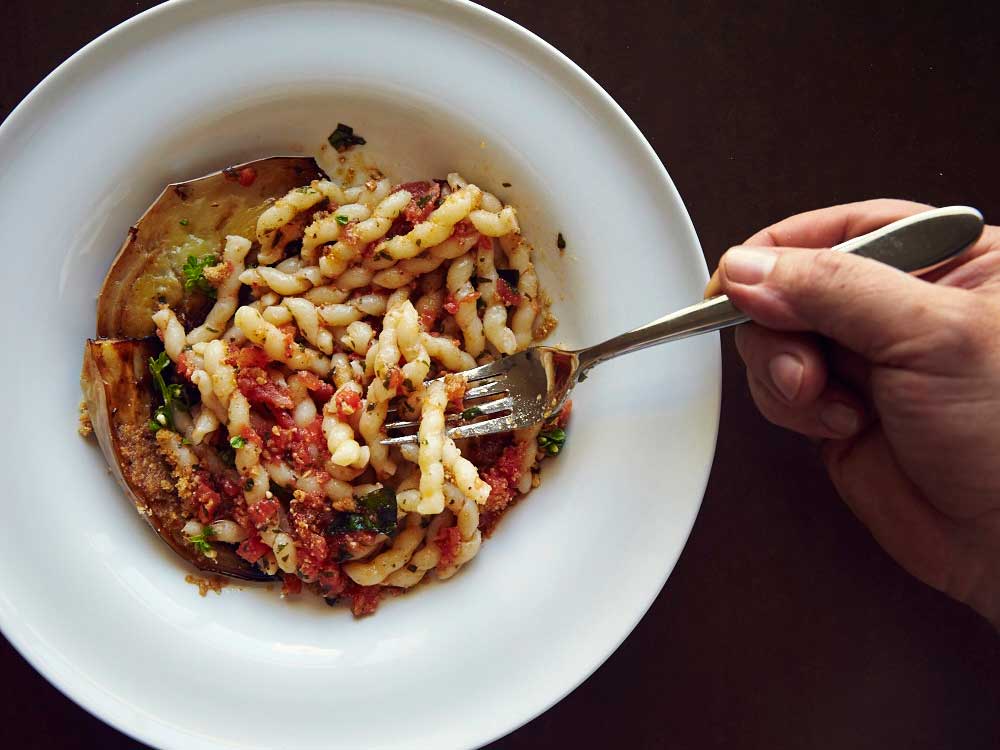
401, 440
478, 429
488, 389
491, 407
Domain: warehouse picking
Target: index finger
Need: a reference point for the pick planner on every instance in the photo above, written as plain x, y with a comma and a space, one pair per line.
826, 227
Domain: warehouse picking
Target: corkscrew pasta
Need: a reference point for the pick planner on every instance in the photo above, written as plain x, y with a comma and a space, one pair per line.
351, 307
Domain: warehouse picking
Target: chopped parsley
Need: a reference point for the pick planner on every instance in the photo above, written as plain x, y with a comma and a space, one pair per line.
194, 274
172, 394
383, 255
200, 542
184, 222
505, 184
552, 441
376, 512
238, 441
341, 219
472, 412
422, 200
344, 137
560, 241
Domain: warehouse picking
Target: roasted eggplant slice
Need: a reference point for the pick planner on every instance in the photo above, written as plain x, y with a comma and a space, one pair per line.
120, 397
188, 219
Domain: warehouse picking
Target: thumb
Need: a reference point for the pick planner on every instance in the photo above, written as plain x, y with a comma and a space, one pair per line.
867, 306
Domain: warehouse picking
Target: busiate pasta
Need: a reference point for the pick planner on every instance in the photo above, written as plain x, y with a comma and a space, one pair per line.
352, 306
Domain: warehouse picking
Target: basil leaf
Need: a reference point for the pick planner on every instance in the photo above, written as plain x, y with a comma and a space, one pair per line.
376, 512
343, 138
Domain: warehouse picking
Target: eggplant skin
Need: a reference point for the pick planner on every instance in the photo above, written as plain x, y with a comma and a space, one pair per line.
188, 219
120, 398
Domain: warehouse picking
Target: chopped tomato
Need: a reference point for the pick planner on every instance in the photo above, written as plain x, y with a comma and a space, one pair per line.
247, 356
321, 388
290, 584
252, 548
502, 477
395, 378
348, 402
364, 599
260, 390
183, 367
207, 498
423, 201
507, 295
246, 176
263, 511
449, 541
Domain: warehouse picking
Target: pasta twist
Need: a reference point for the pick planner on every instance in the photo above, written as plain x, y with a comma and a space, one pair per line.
494, 313
279, 346
356, 236
467, 315
519, 255
344, 449
388, 562
279, 215
437, 228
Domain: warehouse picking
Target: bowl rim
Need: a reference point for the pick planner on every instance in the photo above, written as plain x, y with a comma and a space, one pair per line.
95, 53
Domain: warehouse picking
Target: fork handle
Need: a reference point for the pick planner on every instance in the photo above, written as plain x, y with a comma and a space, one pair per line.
914, 244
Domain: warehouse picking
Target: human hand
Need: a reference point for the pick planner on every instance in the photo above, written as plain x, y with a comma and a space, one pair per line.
897, 376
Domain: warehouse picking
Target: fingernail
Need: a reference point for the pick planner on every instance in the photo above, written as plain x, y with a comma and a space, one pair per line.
786, 374
744, 265
840, 418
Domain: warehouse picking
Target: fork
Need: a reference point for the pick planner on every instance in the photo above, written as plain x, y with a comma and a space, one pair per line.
530, 387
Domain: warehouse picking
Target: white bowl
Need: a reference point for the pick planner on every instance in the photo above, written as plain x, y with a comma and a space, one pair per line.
99, 605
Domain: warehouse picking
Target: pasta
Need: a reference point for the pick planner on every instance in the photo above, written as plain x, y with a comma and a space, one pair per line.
363, 301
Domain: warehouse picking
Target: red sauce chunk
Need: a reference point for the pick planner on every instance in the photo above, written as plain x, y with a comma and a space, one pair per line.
246, 176
507, 295
322, 389
348, 402
260, 390
263, 511
252, 548
290, 585
423, 201
364, 599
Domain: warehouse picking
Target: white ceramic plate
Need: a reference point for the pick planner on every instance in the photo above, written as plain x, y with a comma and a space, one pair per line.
99, 605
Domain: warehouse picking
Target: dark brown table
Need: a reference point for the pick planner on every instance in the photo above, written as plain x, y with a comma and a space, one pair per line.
784, 625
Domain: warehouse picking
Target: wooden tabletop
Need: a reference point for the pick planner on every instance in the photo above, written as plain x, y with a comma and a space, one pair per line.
784, 625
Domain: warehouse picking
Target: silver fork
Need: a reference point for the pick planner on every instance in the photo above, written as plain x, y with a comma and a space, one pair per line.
533, 385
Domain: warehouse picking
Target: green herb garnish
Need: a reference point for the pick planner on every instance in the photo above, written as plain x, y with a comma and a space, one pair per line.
341, 219
172, 394
238, 441
184, 222
422, 201
201, 543
343, 137
376, 512
560, 241
472, 412
194, 274
552, 441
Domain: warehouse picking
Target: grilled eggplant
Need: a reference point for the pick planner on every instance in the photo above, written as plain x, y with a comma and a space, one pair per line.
188, 219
